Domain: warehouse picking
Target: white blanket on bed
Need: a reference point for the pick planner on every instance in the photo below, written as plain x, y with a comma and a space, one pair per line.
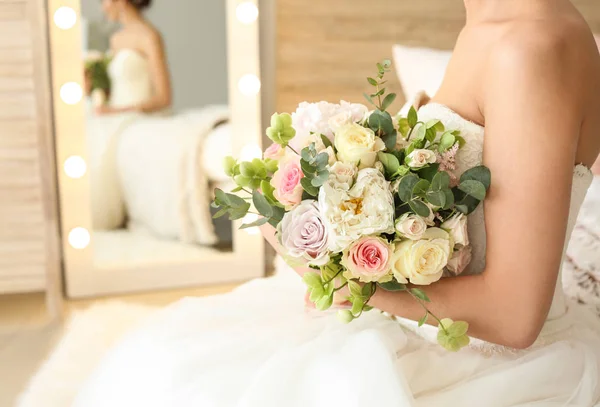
152, 166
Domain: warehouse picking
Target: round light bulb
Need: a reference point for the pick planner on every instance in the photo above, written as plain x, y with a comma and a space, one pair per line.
65, 18
75, 166
249, 85
250, 152
249, 218
79, 238
246, 12
71, 93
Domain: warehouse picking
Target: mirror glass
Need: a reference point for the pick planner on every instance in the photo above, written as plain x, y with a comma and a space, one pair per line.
157, 129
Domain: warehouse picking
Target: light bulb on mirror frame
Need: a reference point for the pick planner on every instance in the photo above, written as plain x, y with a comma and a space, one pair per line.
79, 238
249, 85
71, 93
246, 12
250, 152
75, 167
65, 18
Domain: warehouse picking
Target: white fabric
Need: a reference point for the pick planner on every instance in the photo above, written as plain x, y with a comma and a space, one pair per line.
217, 146
420, 69
150, 167
258, 347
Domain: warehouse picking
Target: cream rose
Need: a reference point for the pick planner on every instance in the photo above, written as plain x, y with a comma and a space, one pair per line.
339, 120
411, 226
422, 262
343, 175
457, 227
356, 144
459, 261
420, 158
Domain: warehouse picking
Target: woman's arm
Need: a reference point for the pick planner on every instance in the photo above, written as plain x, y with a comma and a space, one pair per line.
161, 79
532, 109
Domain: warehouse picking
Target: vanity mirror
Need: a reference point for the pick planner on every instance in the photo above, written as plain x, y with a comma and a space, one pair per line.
148, 99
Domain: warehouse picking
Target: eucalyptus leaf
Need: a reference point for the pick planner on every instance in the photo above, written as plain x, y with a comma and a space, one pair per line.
278, 213
429, 172
372, 81
306, 183
462, 208
420, 294
220, 213
412, 117
389, 161
441, 180
393, 286
419, 208
387, 101
473, 188
368, 98
381, 121
420, 188
480, 173
326, 141
261, 204
449, 199
436, 198
256, 223
320, 179
405, 188
423, 320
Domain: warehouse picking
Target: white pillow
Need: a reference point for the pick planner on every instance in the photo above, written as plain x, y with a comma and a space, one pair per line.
420, 69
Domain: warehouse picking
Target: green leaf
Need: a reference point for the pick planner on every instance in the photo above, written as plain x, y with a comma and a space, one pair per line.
372, 81
261, 204
320, 179
355, 288
480, 173
420, 188
312, 279
412, 118
306, 183
321, 161
381, 121
367, 289
387, 101
449, 199
393, 286
278, 213
420, 294
441, 180
268, 190
462, 208
458, 328
220, 213
423, 320
329, 271
368, 98
405, 188
419, 132
254, 224
324, 303
429, 172
326, 141
461, 141
435, 124
236, 189
419, 208
430, 135
473, 188
446, 141
403, 126
389, 161
357, 306
390, 140
436, 198
316, 293
229, 164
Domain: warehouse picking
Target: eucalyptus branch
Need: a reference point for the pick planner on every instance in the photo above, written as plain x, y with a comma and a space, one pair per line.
291, 148
428, 312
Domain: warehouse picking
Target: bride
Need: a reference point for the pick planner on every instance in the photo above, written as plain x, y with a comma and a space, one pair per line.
527, 70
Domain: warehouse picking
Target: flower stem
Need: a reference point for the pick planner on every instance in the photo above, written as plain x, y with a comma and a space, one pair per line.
340, 287
291, 148
427, 311
334, 277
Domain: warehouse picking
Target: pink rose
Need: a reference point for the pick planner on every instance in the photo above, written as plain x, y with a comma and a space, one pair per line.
459, 261
286, 181
274, 152
368, 259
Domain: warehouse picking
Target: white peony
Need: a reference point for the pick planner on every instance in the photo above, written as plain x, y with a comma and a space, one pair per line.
420, 158
411, 226
422, 262
457, 227
358, 145
366, 209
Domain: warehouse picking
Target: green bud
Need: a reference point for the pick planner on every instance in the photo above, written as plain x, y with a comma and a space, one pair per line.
229, 164
345, 316
281, 130
247, 169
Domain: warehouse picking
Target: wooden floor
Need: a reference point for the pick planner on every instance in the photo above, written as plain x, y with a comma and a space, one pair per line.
26, 334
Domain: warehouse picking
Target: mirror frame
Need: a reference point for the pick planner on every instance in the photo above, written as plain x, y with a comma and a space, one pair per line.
82, 278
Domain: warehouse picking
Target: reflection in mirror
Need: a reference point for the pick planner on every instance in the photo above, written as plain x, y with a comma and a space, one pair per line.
157, 128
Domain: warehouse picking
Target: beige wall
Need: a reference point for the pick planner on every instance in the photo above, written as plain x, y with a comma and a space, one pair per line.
326, 49
28, 217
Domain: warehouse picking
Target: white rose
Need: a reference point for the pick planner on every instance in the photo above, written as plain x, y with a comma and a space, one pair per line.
420, 158
356, 144
457, 227
357, 111
422, 262
365, 209
430, 220
343, 174
411, 226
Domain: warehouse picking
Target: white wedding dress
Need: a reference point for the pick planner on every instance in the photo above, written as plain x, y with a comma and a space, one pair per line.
259, 347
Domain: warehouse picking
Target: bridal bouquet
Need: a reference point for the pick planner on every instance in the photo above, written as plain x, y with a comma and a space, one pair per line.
96, 76
367, 200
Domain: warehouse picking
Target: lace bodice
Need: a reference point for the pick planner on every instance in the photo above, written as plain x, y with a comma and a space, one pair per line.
471, 155
131, 82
